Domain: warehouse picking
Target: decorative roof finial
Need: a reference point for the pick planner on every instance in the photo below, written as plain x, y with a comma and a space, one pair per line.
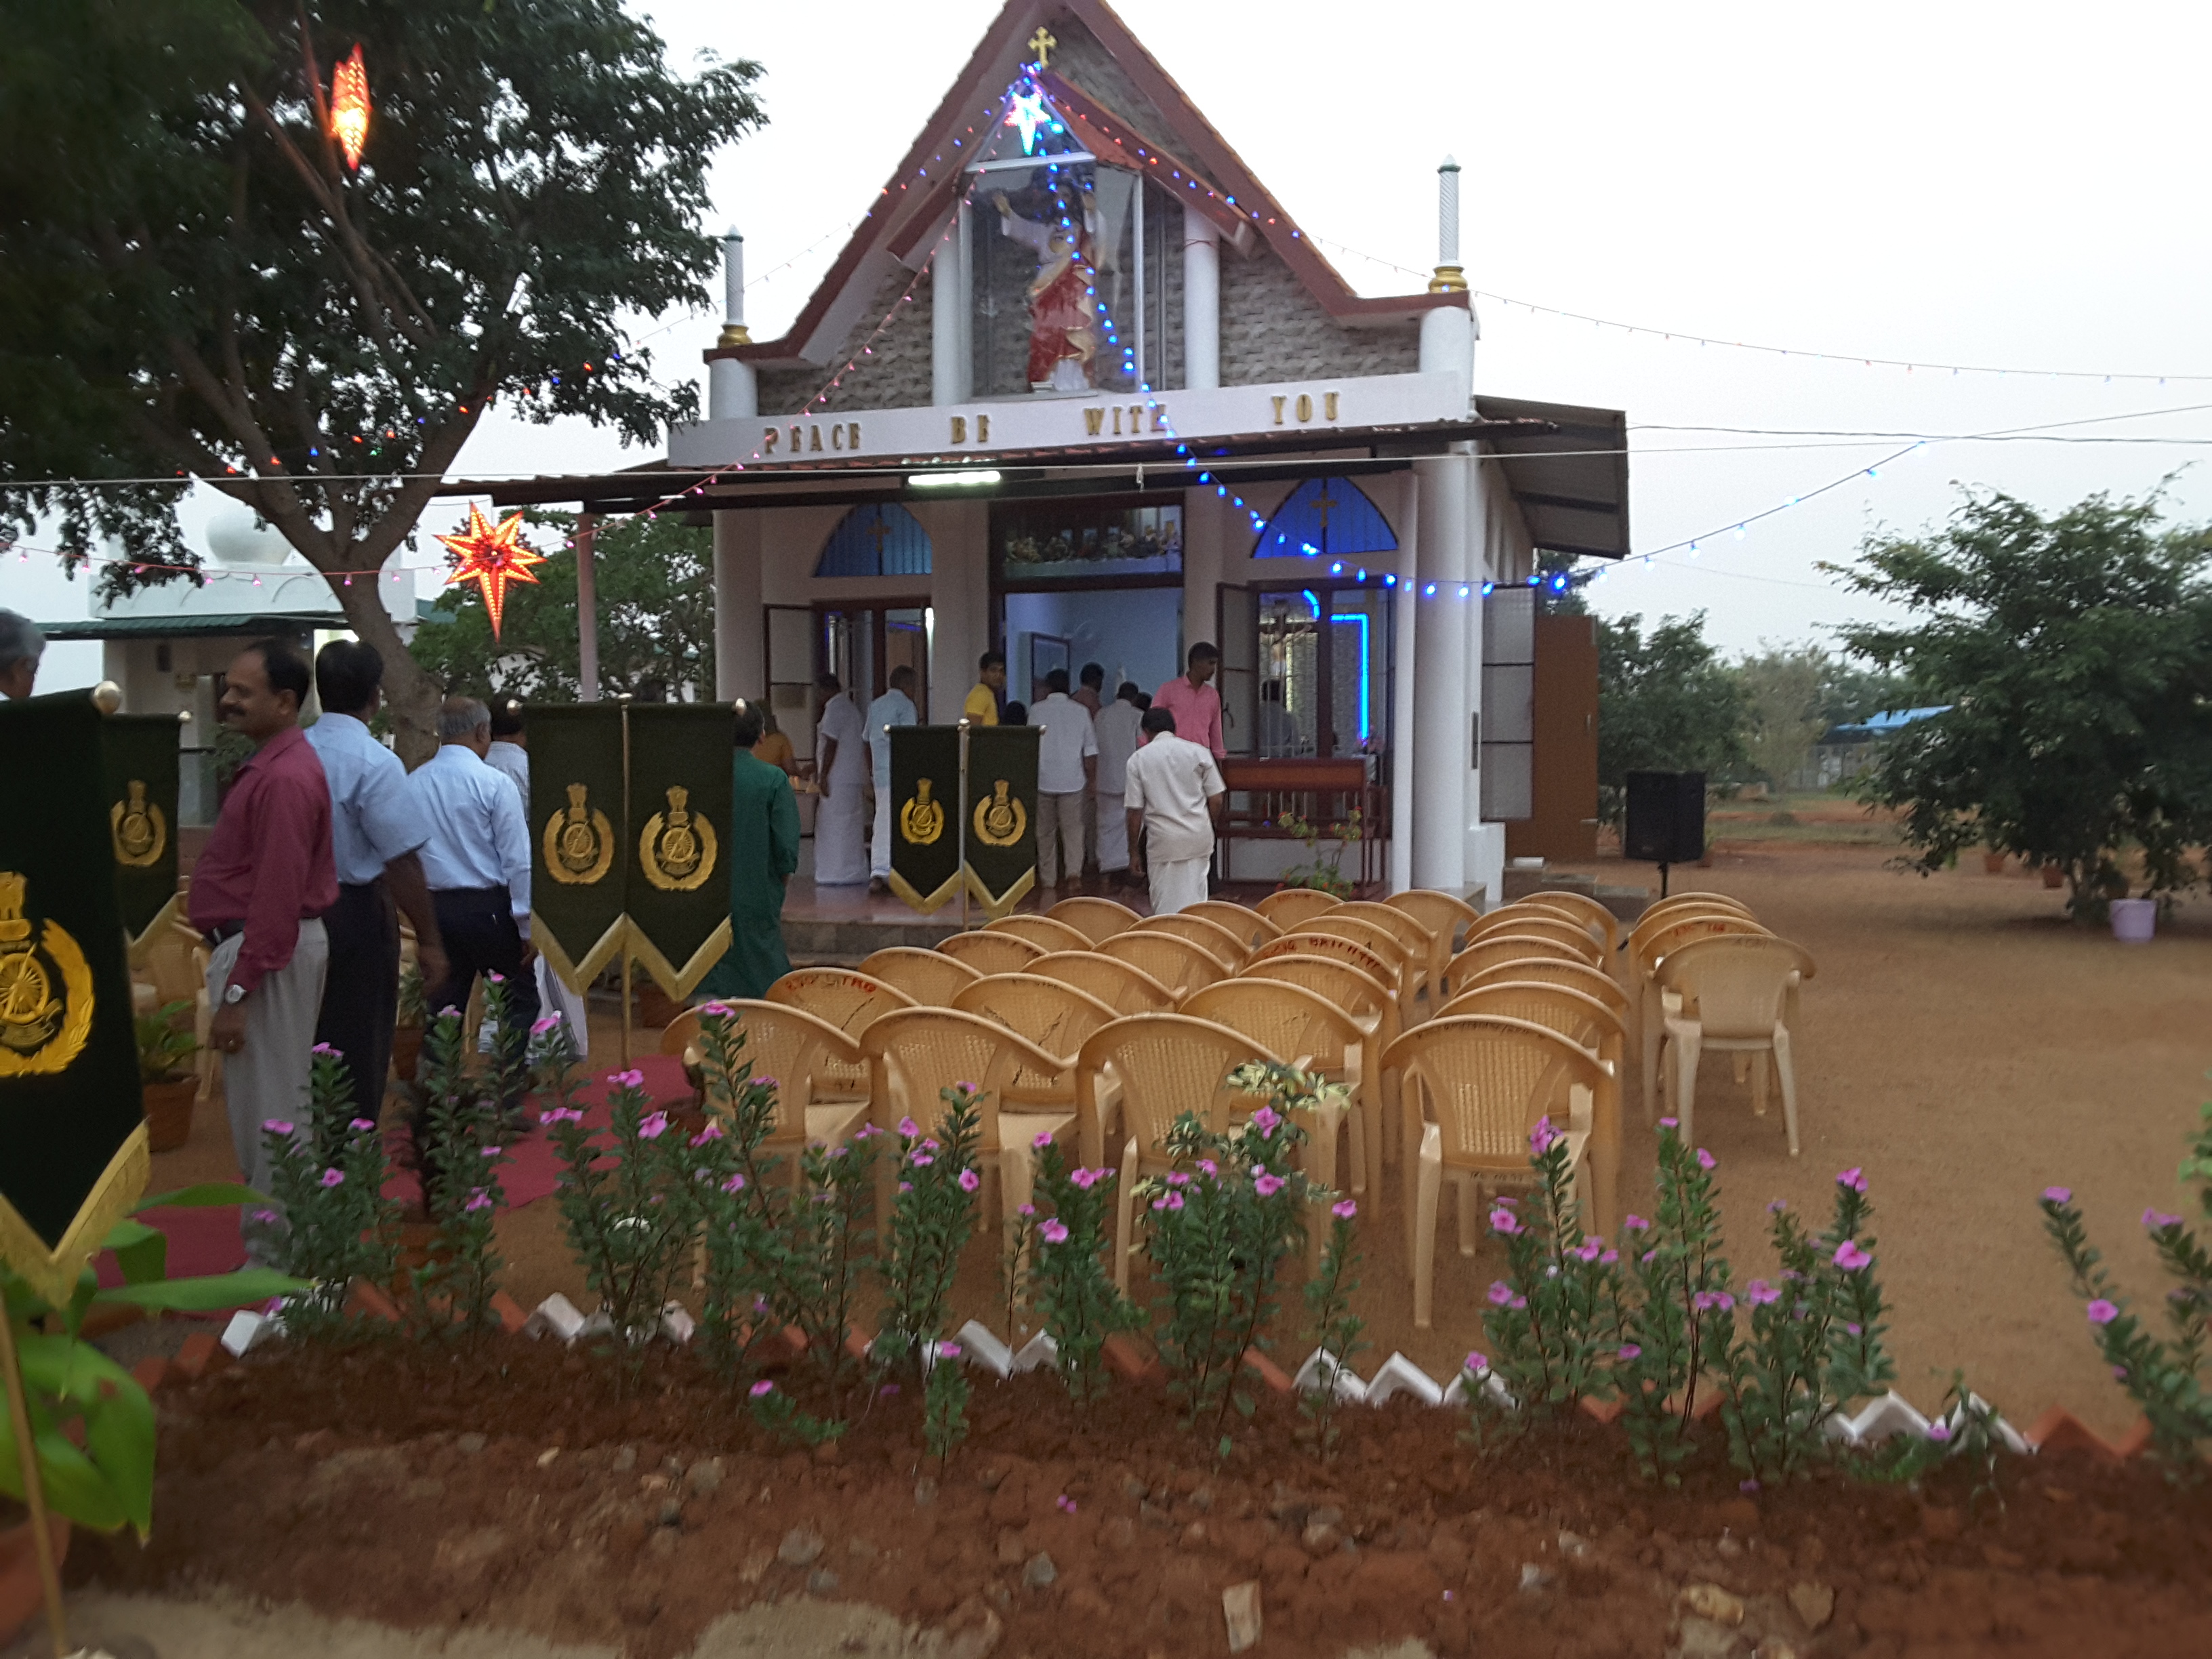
1449, 278
1042, 43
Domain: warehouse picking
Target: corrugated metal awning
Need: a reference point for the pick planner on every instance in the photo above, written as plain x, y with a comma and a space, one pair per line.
1571, 480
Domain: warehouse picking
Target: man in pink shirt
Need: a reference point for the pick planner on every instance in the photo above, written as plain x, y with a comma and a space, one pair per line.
1196, 706
258, 893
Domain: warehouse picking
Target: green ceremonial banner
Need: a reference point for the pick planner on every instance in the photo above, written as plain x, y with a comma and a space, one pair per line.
139, 753
72, 1133
679, 821
1000, 814
579, 844
925, 802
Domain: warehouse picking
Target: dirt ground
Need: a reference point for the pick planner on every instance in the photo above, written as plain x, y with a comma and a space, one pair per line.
1962, 1041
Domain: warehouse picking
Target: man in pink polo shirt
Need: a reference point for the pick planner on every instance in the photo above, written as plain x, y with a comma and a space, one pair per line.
1196, 706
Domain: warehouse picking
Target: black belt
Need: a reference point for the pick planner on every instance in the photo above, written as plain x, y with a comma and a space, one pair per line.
222, 932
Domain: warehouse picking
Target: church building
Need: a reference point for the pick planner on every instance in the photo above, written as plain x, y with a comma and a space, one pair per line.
1079, 390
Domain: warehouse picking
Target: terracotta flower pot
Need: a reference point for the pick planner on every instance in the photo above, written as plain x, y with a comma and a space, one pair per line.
21, 1597
406, 1051
2053, 876
169, 1108
1993, 863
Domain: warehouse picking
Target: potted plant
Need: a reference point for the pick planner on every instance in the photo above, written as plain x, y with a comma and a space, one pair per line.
1325, 872
166, 1085
407, 1033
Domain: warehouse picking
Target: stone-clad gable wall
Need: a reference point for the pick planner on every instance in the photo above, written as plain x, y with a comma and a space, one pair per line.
1081, 58
1272, 330
897, 375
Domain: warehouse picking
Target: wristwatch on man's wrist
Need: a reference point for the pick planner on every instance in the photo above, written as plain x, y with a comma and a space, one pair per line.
233, 996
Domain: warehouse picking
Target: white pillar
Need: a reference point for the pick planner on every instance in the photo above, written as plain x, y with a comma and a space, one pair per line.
587, 607
959, 599
733, 388
1485, 847
740, 640
1201, 302
949, 369
1404, 705
1208, 528
1441, 735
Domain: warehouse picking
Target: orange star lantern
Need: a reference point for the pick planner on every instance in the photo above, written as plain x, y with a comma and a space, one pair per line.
492, 558
349, 106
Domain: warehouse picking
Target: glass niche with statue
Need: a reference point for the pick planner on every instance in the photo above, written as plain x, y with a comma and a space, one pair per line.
1056, 542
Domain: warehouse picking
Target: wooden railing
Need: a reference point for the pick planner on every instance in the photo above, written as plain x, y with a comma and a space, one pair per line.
1321, 791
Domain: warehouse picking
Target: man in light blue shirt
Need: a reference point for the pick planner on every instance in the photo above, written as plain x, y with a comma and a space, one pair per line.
374, 833
895, 707
478, 863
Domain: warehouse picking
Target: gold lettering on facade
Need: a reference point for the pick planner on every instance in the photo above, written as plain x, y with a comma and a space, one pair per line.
1117, 420
1160, 418
798, 440
816, 444
769, 438
1328, 405
983, 429
1136, 418
1094, 422
1278, 403
959, 428
852, 435
1305, 406
836, 437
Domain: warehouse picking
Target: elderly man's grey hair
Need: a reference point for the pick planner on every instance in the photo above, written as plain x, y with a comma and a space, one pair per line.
20, 641
461, 717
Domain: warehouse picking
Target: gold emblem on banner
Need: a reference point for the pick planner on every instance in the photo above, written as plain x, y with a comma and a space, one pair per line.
677, 848
140, 828
579, 842
45, 991
999, 822
922, 820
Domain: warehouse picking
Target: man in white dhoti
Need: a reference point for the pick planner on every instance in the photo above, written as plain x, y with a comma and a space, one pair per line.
895, 707
841, 771
1173, 792
1116, 731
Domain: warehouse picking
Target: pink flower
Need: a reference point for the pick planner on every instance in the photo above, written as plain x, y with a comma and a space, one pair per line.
1344, 1209
1542, 1137
550, 1023
479, 1200
2101, 1312
495, 978
334, 1177
1760, 1293
1168, 1201
1475, 1364
325, 1050
2155, 1219
1042, 1141
1670, 1123
1207, 1166
1026, 1210
1630, 1351
736, 1183
361, 1126
1632, 1223
714, 1010
1939, 1431
922, 1160
1705, 1159
1778, 1207
965, 1087
553, 1114
866, 1132
1608, 1258
1053, 1230
1267, 1121
970, 1181
2058, 1195
1709, 1301
764, 1082
1265, 1184
1064, 1504
1176, 1178
630, 1079
1500, 1293
712, 1131
909, 1128
762, 1388
1086, 1179
1503, 1220
1850, 1257
276, 1126
1855, 1178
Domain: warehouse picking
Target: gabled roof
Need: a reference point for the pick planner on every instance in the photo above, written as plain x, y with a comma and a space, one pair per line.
912, 209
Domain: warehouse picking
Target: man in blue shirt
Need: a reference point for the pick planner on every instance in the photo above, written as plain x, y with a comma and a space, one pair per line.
374, 833
477, 860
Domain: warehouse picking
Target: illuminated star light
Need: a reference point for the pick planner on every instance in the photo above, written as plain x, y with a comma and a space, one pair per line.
1028, 113
349, 106
492, 558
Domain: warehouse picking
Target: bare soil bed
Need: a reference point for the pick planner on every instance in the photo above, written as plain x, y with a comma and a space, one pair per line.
520, 1486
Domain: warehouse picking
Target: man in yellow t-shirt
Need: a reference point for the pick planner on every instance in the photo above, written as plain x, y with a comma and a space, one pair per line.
983, 704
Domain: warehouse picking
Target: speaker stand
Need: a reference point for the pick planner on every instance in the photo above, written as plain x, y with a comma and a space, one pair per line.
1662, 881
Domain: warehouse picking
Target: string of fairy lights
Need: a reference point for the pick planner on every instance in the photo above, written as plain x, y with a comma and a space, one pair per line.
1028, 106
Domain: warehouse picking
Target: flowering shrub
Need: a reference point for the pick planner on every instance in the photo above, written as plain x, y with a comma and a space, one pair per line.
458, 1155
1075, 1294
1331, 1324
1217, 1228
932, 1217
944, 1402
621, 1193
2165, 1380
326, 1177
1677, 1306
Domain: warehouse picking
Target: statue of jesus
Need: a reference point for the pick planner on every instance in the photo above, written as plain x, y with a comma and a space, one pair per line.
1063, 310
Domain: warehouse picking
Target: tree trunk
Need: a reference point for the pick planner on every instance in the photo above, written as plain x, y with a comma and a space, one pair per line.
410, 694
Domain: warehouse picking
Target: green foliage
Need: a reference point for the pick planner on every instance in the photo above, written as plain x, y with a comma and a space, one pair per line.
1665, 702
656, 612
195, 282
2165, 1378
944, 1402
332, 1223
2074, 652
166, 1043
1219, 1227
413, 1009
1330, 1323
1076, 1296
933, 1214
458, 1157
1323, 872
1783, 710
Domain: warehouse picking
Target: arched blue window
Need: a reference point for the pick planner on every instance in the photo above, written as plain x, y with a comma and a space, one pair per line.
880, 539
1325, 518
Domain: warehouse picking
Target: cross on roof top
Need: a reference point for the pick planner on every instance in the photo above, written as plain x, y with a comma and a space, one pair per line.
1042, 43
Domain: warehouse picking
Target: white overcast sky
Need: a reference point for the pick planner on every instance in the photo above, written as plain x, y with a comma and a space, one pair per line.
2020, 186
